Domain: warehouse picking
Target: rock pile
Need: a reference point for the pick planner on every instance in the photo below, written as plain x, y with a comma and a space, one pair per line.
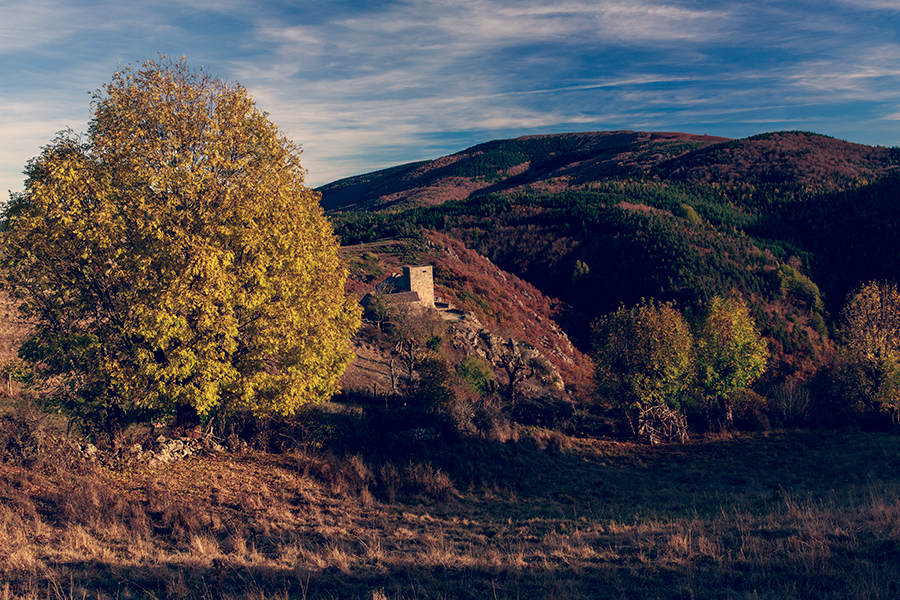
167, 450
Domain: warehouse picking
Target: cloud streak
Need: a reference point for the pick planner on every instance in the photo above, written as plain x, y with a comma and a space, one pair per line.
367, 85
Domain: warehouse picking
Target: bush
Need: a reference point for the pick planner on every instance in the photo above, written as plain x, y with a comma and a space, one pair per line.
416, 479
476, 373
29, 438
433, 390
853, 389
749, 411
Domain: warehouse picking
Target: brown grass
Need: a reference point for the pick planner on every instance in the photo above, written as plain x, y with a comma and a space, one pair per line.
796, 514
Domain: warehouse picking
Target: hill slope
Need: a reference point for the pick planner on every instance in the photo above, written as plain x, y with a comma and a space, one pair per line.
541, 162
554, 163
599, 219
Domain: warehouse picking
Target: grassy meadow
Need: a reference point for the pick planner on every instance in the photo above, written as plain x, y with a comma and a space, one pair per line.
530, 513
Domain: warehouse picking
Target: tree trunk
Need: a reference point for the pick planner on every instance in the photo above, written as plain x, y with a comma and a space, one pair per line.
725, 405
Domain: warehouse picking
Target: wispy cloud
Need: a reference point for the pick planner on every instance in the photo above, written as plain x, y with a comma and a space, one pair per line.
365, 85
887, 5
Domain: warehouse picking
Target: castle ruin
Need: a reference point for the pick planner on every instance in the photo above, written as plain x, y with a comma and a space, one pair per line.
421, 281
415, 285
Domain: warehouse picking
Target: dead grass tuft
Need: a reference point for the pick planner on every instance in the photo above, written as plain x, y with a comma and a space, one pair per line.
92, 500
29, 438
416, 479
423, 479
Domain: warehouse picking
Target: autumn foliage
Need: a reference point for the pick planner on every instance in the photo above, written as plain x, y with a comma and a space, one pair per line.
174, 258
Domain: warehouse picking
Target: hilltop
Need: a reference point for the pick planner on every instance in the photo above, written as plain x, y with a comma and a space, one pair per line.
562, 162
548, 162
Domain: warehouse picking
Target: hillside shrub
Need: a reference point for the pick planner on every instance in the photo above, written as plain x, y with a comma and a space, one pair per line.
794, 283
476, 373
688, 212
28, 436
433, 390
790, 404
750, 410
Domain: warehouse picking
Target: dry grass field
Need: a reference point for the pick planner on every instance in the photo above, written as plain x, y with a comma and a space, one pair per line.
785, 514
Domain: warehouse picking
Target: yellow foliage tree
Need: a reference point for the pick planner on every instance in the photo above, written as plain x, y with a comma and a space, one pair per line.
871, 336
644, 355
871, 328
731, 354
174, 258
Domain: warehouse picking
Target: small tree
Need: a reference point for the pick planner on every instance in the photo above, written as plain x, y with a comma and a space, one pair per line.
413, 329
871, 336
643, 356
378, 309
174, 258
580, 273
515, 365
871, 327
731, 354
433, 390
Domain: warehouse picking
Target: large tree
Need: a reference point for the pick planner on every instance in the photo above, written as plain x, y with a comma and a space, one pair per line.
174, 258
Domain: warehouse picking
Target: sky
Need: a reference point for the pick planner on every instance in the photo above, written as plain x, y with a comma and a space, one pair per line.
364, 85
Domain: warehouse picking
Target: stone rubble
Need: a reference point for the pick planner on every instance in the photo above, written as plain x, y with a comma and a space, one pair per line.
167, 450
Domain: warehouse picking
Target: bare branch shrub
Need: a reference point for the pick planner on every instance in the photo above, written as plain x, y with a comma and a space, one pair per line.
659, 423
790, 403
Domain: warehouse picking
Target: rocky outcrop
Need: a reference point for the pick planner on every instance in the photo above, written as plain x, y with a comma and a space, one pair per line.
516, 362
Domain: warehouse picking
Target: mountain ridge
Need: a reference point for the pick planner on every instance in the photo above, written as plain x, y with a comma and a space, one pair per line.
559, 162
485, 167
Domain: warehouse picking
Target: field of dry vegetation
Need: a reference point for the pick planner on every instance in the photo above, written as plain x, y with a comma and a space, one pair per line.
530, 513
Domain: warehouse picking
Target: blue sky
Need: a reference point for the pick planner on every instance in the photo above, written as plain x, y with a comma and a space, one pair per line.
364, 85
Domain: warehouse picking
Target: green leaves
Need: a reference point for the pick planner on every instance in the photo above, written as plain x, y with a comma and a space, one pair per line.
731, 354
476, 372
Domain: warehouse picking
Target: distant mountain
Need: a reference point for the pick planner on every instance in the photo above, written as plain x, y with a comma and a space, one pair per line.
550, 162
789, 158
555, 163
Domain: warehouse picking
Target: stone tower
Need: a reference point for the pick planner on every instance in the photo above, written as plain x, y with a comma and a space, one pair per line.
421, 281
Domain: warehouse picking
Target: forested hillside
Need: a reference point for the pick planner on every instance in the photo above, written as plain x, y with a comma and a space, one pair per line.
791, 221
539, 161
